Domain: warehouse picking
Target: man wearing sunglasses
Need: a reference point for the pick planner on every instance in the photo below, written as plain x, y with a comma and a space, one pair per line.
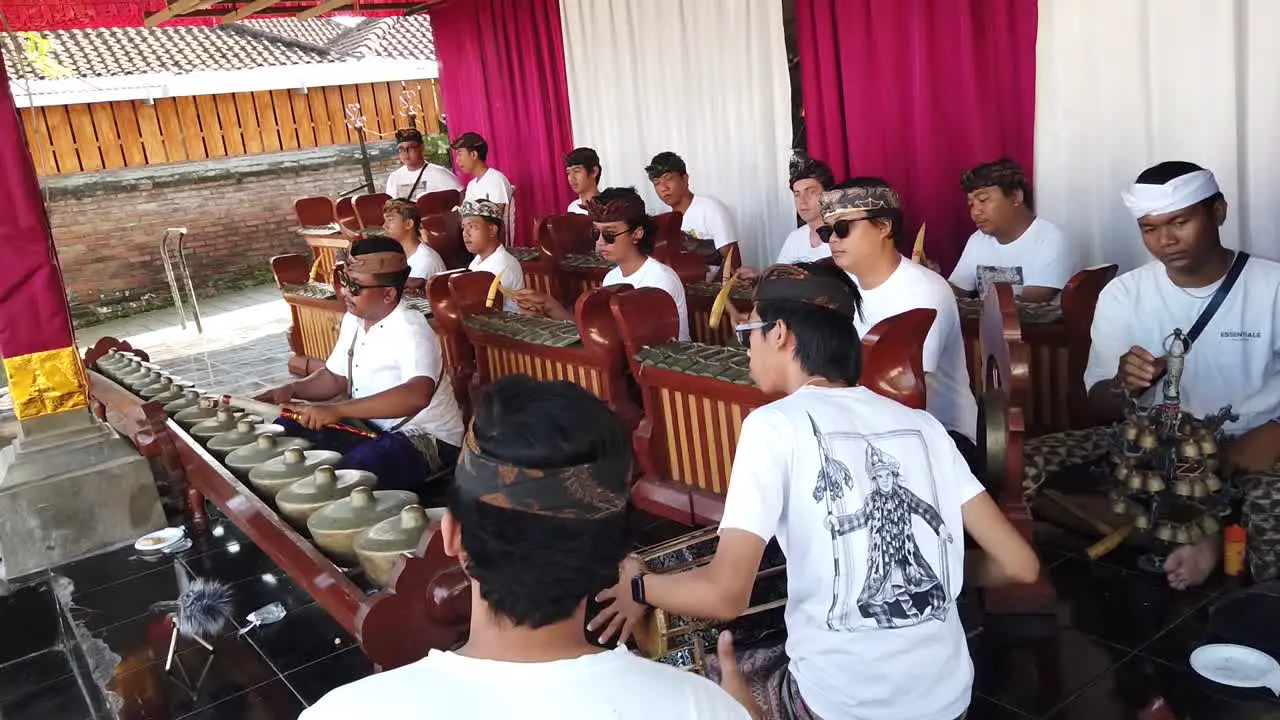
417, 177
624, 235
482, 234
862, 221
386, 370
704, 220
867, 498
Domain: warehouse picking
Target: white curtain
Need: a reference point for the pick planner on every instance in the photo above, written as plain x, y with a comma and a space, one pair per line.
706, 79
1124, 84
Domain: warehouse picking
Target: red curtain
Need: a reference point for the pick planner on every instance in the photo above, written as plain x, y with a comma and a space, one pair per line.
502, 75
33, 305
916, 91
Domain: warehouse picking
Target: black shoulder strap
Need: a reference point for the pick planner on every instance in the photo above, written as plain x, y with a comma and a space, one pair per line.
416, 181
1237, 267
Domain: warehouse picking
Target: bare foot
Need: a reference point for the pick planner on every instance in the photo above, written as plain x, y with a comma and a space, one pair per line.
1190, 565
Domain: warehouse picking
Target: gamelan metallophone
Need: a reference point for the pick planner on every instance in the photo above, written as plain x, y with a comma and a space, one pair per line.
425, 605
699, 297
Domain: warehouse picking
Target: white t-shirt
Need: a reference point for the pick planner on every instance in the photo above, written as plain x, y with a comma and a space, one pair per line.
1041, 257
1236, 359
613, 684
400, 347
947, 392
872, 628
576, 208
504, 265
425, 262
434, 179
708, 218
495, 187
654, 274
797, 249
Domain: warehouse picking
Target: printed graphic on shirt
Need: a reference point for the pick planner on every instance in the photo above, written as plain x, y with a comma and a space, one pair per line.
902, 578
989, 274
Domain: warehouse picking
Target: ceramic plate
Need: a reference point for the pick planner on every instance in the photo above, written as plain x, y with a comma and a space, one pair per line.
1237, 666
159, 540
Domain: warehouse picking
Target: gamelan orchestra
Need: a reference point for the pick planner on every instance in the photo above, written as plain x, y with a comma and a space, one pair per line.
619, 474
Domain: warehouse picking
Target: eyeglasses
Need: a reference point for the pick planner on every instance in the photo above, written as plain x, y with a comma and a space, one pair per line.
744, 330
352, 287
840, 229
609, 237
410, 147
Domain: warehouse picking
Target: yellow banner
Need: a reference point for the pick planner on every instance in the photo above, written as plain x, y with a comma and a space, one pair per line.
46, 382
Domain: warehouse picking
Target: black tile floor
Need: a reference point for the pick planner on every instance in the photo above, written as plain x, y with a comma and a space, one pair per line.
1120, 640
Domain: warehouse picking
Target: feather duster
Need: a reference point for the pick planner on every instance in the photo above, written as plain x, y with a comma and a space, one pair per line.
202, 611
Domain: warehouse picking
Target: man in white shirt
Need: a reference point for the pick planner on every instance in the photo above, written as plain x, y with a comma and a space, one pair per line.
538, 520
1011, 244
867, 499
402, 221
624, 235
417, 177
472, 155
863, 222
482, 235
1234, 360
809, 179
386, 370
582, 168
704, 219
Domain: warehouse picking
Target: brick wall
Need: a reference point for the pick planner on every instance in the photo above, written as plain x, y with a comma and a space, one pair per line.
238, 213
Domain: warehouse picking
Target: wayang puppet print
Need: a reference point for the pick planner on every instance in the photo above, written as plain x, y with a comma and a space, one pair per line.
989, 275
890, 544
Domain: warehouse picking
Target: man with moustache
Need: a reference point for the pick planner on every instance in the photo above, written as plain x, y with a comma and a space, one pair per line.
703, 218
386, 370
417, 177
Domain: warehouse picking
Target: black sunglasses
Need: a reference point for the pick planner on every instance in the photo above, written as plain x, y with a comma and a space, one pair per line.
744, 331
354, 288
608, 237
840, 229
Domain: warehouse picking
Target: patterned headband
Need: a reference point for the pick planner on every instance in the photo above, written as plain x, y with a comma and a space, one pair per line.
788, 282
857, 202
1001, 173
480, 208
620, 209
581, 492
378, 262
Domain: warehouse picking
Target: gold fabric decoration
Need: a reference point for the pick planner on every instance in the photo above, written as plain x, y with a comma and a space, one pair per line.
47, 382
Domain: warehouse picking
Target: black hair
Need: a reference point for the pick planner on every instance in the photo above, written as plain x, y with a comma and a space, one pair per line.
827, 344
474, 142
383, 243
585, 157
1171, 169
1004, 174
892, 216
641, 219
408, 135
536, 570
806, 168
663, 163
407, 210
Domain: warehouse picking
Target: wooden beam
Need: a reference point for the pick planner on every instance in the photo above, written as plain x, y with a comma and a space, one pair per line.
322, 8
245, 11
174, 9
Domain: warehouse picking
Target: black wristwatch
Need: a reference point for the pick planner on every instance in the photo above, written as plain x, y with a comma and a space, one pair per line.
637, 588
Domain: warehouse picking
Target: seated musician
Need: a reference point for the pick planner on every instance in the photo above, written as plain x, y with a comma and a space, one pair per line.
1011, 243
703, 218
868, 500
1180, 209
582, 167
417, 177
402, 221
482, 234
472, 155
386, 369
624, 235
809, 179
863, 222
537, 519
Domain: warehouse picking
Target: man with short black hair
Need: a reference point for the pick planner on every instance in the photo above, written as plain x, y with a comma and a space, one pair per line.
472, 155
387, 370
1011, 243
402, 221
703, 218
624, 235
582, 167
417, 177
1180, 209
867, 499
482, 234
538, 520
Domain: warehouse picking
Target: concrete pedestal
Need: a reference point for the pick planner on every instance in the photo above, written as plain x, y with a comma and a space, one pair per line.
70, 485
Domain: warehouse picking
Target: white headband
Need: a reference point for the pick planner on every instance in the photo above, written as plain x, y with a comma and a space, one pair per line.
1180, 192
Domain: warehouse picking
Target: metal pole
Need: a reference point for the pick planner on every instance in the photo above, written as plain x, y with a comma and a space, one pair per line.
364, 160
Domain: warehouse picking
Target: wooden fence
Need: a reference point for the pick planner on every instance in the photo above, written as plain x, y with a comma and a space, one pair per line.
73, 138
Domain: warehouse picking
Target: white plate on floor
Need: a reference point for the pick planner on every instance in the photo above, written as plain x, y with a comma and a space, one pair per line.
1237, 666
159, 540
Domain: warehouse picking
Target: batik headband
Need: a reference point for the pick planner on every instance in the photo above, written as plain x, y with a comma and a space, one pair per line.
788, 282
480, 208
1180, 192
620, 209
378, 262
857, 203
1001, 173
580, 492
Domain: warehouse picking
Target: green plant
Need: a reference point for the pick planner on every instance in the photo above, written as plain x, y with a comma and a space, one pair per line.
435, 146
36, 49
